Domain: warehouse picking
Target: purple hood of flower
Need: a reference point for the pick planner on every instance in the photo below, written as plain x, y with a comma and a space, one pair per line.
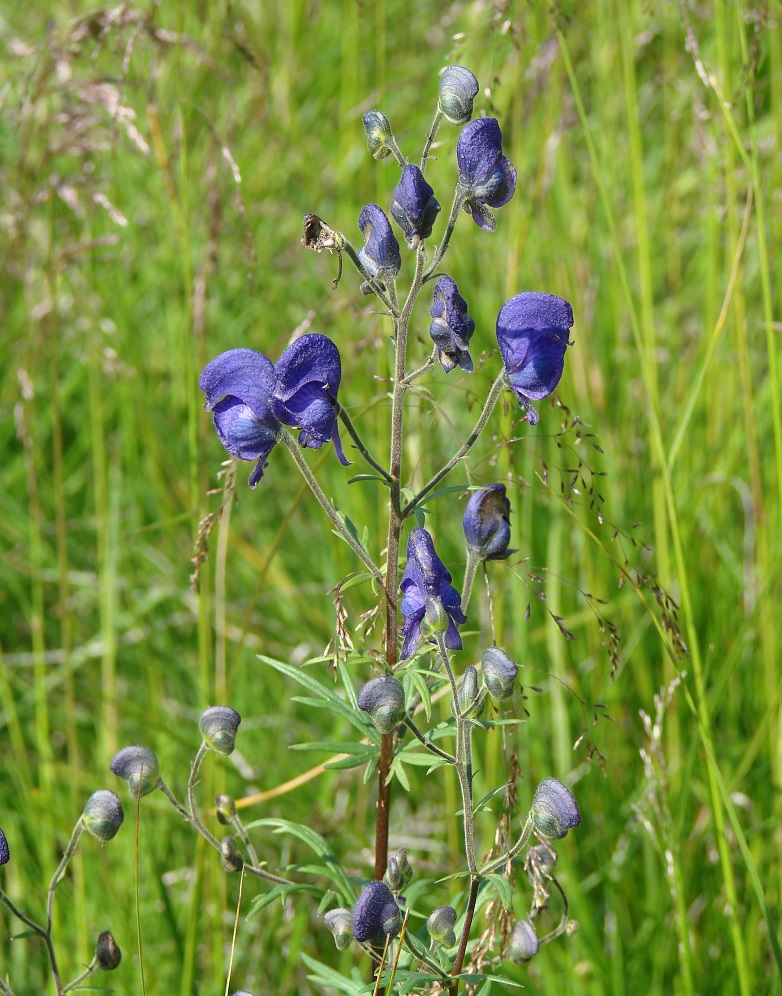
308, 375
376, 913
425, 577
487, 522
414, 207
532, 332
380, 256
487, 177
238, 386
452, 327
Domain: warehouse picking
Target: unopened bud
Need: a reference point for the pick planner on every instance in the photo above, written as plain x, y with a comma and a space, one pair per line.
554, 809
139, 767
103, 814
435, 617
440, 926
458, 88
399, 873
378, 129
230, 856
225, 808
218, 725
524, 943
384, 699
469, 693
340, 923
499, 673
107, 952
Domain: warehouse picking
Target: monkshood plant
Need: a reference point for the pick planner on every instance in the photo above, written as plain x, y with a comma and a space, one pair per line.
260, 406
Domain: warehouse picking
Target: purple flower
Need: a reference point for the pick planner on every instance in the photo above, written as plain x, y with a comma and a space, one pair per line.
486, 176
305, 396
532, 332
451, 328
238, 386
414, 207
5, 853
487, 523
380, 256
426, 579
376, 913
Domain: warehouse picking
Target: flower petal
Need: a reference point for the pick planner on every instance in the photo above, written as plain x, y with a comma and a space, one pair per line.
478, 149
312, 357
244, 373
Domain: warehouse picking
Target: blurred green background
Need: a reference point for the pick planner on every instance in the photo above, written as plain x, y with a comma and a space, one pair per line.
155, 163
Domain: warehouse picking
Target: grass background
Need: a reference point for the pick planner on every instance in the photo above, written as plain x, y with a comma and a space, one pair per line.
154, 166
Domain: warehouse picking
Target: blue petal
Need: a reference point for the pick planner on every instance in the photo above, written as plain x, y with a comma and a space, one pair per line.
542, 368
380, 256
240, 432
477, 151
243, 373
311, 359
534, 310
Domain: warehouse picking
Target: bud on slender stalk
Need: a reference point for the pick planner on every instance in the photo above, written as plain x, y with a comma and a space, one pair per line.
399, 873
524, 943
554, 809
379, 134
230, 856
458, 88
499, 673
218, 725
225, 808
103, 815
139, 767
340, 923
376, 914
384, 699
440, 926
107, 952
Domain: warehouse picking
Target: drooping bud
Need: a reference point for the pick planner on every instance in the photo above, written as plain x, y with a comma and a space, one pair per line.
340, 923
103, 814
435, 617
440, 926
107, 952
5, 854
458, 89
452, 326
139, 767
384, 699
378, 129
225, 807
230, 856
376, 914
469, 692
554, 809
218, 725
487, 523
399, 872
499, 673
572, 927
414, 207
524, 944
380, 256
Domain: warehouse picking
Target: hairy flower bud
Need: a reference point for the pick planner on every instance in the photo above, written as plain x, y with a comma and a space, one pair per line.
380, 256
384, 699
378, 129
451, 327
440, 926
139, 767
230, 856
103, 814
5, 854
487, 523
469, 693
376, 914
225, 807
340, 923
107, 952
218, 725
399, 873
458, 89
414, 207
524, 944
554, 809
499, 673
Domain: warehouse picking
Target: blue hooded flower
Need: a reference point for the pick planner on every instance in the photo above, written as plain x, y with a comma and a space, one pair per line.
305, 396
486, 176
380, 256
532, 332
414, 207
451, 328
5, 853
487, 523
376, 914
238, 386
425, 579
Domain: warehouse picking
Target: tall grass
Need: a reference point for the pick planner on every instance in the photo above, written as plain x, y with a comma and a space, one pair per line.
155, 167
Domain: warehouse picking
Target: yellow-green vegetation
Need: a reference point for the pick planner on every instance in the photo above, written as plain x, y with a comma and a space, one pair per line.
156, 161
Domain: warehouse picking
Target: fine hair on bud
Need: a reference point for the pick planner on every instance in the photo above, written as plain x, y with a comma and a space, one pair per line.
103, 814
499, 673
139, 767
376, 914
218, 725
524, 943
340, 923
457, 91
107, 952
398, 873
554, 809
440, 926
384, 699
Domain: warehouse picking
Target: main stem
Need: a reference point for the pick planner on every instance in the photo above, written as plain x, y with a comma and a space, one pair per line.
392, 552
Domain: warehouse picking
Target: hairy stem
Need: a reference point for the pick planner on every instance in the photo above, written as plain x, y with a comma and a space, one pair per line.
511, 854
353, 433
173, 799
456, 206
491, 401
470, 569
469, 913
438, 117
427, 742
82, 976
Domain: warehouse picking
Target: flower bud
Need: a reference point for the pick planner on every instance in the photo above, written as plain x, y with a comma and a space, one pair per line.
414, 207
554, 809
5, 854
435, 616
225, 808
499, 673
380, 255
103, 814
468, 694
218, 725
399, 873
440, 926
487, 523
107, 952
572, 927
340, 923
524, 944
376, 914
140, 769
458, 89
384, 699
230, 856
452, 326
378, 129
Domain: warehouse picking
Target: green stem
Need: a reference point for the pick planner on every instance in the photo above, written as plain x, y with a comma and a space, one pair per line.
353, 433
193, 816
435, 127
456, 206
427, 742
328, 508
491, 401
377, 288
70, 850
82, 976
470, 570
420, 371
511, 854
173, 799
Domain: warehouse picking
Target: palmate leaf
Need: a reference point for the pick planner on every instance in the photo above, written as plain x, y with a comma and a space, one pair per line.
330, 867
324, 697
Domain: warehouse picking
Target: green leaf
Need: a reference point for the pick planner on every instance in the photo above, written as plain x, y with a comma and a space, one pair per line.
398, 769
418, 681
331, 746
504, 891
451, 489
367, 477
326, 976
332, 869
280, 892
360, 577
